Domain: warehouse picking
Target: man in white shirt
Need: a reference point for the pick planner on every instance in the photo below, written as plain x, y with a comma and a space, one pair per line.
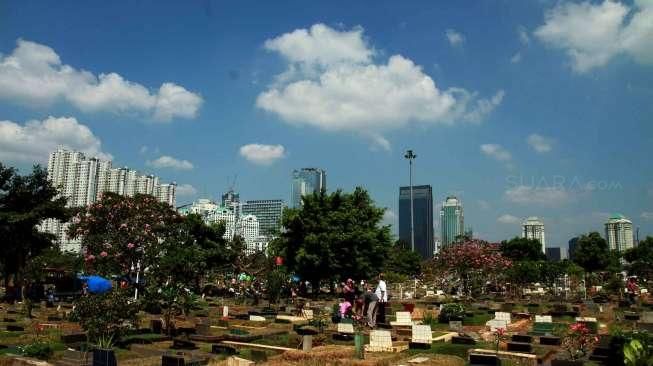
379, 308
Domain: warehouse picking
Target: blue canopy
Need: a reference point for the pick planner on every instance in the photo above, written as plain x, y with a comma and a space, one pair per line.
96, 284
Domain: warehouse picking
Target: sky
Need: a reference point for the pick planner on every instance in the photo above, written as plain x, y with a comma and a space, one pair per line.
520, 108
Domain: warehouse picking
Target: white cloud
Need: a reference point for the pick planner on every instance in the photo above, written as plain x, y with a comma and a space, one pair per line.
262, 154
186, 190
389, 217
508, 219
524, 38
496, 152
333, 83
169, 162
546, 196
592, 34
455, 38
648, 216
35, 140
516, 58
143, 149
540, 143
484, 205
34, 74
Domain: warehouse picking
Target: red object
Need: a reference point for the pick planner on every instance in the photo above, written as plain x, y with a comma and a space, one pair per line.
409, 307
279, 261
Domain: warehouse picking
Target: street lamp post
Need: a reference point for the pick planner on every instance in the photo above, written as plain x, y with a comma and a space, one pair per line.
410, 156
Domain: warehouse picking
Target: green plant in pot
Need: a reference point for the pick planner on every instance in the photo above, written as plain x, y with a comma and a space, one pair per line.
578, 342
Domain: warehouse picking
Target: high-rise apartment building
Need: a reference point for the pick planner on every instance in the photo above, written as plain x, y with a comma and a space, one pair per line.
248, 228
306, 181
268, 213
422, 218
619, 233
452, 220
231, 199
83, 180
533, 228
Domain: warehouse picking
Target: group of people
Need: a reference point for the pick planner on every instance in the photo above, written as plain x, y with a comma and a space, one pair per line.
364, 302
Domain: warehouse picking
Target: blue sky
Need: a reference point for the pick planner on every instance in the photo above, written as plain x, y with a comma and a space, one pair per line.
521, 108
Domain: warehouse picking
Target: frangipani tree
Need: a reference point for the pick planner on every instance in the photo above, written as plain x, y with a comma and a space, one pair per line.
470, 262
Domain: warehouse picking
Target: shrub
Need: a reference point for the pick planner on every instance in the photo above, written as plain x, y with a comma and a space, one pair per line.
451, 312
39, 349
105, 315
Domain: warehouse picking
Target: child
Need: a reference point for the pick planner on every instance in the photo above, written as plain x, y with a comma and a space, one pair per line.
344, 309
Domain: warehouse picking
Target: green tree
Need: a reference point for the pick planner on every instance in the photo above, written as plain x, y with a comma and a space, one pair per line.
334, 236
522, 249
25, 201
640, 258
402, 260
592, 253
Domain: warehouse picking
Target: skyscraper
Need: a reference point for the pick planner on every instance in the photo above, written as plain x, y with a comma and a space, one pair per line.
231, 199
533, 228
306, 181
268, 213
572, 244
452, 220
422, 218
619, 233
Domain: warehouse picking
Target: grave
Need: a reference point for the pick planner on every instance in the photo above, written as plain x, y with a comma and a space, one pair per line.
9, 320
402, 319
590, 323
541, 329
259, 355
307, 314
478, 359
256, 318
345, 332
631, 316
223, 349
522, 338
497, 324
422, 337
543, 319
499, 315
550, 341
156, 325
15, 328
381, 341
178, 343
456, 325
646, 317
462, 340
54, 318
237, 361
168, 360
520, 347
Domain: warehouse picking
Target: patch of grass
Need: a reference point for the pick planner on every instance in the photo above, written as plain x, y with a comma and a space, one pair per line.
477, 319
459, 350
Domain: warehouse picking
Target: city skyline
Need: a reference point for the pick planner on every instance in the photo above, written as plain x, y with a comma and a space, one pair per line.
514, 119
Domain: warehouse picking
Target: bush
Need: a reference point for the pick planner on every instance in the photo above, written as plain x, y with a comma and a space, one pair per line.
105, 315
451, 312
40, 350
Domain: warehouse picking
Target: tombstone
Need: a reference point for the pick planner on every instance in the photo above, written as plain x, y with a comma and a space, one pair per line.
402, 319
480, 359
499, 315
307, 313
9, 320
345, 328
462, 340
520, 347
456, 325
631, 316
15, 328
550, 341
521, 338
497, 324
182, 344
380, 341
422, 334
543, 319
225, 311
237, 361
223, 349
646, 317
430, 293
256, 318
590, 322
168, 360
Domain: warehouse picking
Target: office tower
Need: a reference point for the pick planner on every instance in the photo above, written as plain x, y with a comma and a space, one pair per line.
83, 180
452, 220
248, 228
231, 199
225, 215
554, 254
306, 181
268, 213
619, 233
572, 244
422, 218
533, 228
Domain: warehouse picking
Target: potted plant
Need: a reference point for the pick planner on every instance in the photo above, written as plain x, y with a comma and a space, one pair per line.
577, 342
360, 322
103, 354
499, 336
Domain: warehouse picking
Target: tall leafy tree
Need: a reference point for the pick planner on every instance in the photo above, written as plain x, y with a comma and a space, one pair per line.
334, 236
640, 258
522, 249
402, 260
25, 201
592, 253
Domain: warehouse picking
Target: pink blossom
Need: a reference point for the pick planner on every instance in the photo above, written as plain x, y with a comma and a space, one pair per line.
90, 257
130, 245
103, 254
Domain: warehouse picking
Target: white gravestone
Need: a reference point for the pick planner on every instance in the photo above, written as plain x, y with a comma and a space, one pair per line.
543, 319
403, 318
380, 341
497, 324
422, 334
345, 328
499, 315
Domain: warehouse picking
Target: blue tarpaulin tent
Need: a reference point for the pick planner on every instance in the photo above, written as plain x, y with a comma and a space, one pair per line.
96, 284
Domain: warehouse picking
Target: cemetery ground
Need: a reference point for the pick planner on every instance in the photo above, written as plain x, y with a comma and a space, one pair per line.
424, 331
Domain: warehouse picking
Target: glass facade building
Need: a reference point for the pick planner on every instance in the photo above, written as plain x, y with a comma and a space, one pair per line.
422, 218
306, 181
268, 213
452, 220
